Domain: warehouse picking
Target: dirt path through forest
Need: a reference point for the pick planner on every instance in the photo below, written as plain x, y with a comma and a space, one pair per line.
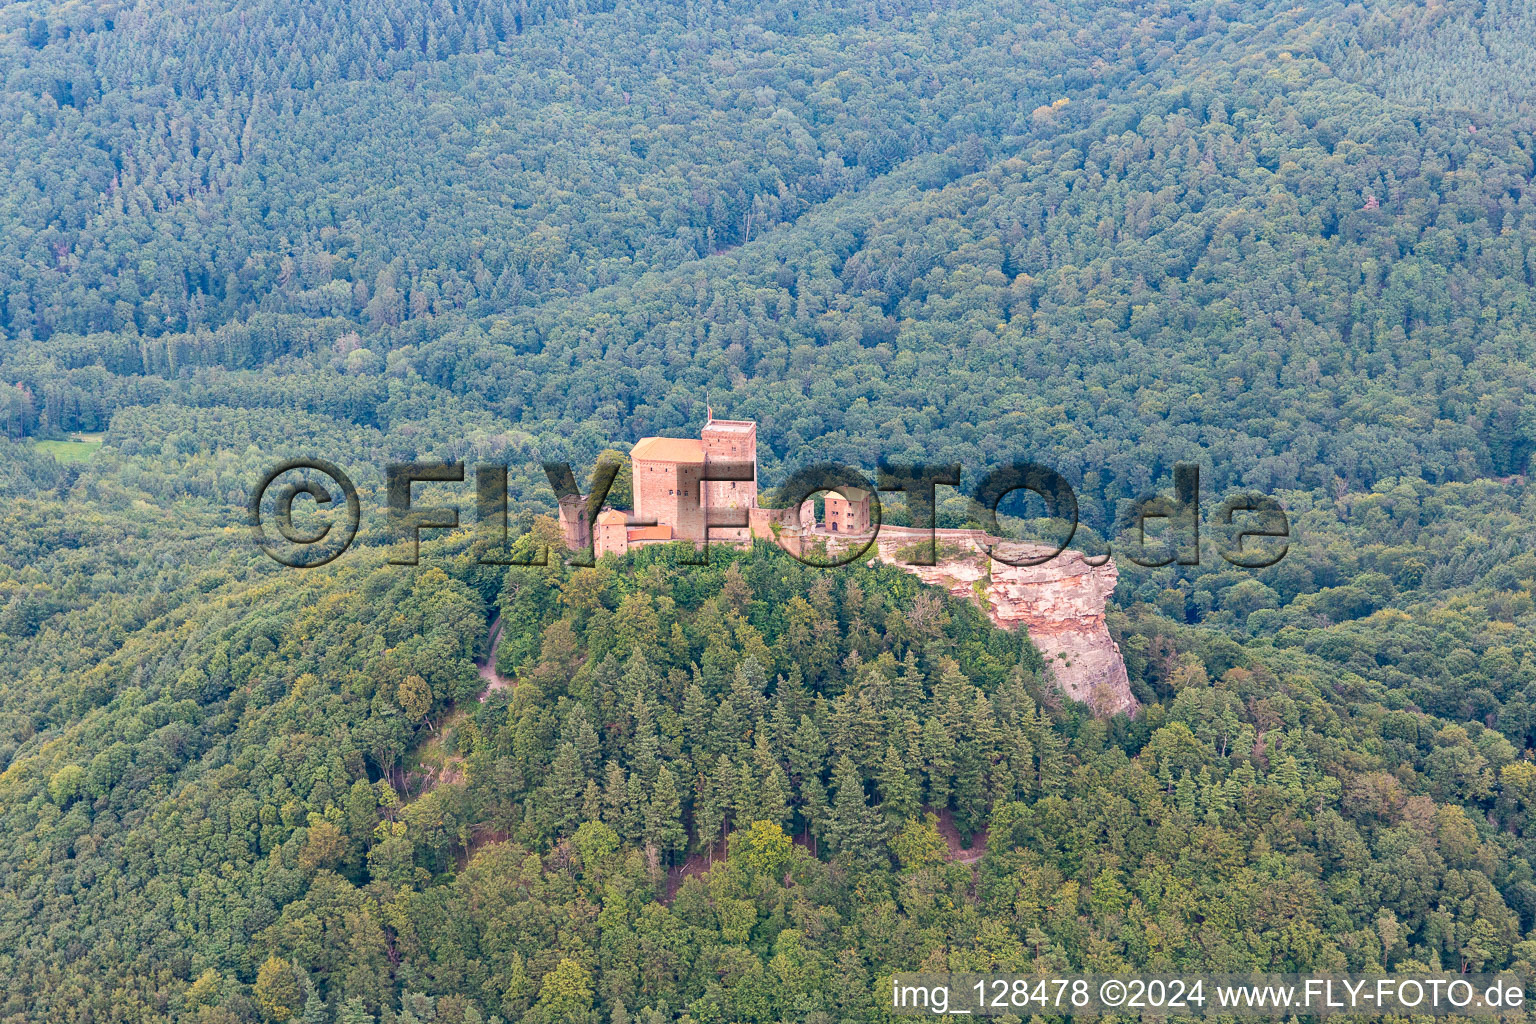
951, 834
488, 665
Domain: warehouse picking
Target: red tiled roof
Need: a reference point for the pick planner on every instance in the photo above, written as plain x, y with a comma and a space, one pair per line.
667, 449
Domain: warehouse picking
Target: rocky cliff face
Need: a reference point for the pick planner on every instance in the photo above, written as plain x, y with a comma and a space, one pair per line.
1060, 604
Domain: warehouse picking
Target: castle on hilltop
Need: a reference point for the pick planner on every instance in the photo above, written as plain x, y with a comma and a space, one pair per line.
674, 500
1060, 603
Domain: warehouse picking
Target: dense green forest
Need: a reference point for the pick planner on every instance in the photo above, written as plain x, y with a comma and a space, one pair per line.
1293, 243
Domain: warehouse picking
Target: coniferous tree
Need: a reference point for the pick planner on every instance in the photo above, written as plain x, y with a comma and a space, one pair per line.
725, 791
615, 796
646, 746
938, 763
853, 829
565, 788
768, 785
664, 817
314, 1008
1050, 753
900, 796
632, 827
807, 751
696, 720
708, 815
355, 1011
592, 802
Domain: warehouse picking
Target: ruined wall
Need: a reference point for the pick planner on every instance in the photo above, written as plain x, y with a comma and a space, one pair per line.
573, 522
1060, 604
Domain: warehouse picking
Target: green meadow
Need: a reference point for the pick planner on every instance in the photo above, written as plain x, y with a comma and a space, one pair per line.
79, 447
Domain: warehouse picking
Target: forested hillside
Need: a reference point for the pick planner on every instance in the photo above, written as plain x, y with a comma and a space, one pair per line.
295, 798
1293, 243
1210, 245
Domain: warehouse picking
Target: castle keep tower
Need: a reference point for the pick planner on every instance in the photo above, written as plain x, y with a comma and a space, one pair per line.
730, 441
670, 489
668, 473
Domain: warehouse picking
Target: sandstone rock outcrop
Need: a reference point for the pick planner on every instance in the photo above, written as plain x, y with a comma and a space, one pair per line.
1059, 603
